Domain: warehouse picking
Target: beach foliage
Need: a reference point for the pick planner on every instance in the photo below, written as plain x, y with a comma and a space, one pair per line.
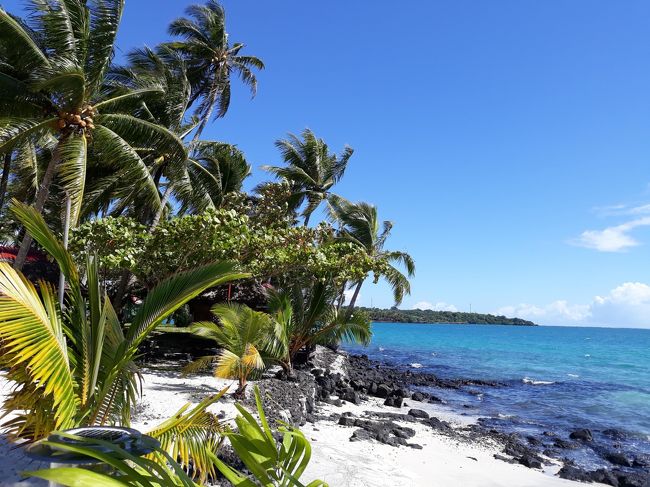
271, 462
246, 338
308, 317
75, 367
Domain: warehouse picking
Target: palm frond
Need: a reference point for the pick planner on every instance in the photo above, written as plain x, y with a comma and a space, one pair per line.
174, 292
189, 437
32, 336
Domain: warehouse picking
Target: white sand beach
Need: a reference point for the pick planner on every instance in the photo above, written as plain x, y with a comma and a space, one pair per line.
442, 461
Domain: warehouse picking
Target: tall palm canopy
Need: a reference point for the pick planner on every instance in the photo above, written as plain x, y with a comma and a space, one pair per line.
360, 225
211, 60
311, 169
52, 98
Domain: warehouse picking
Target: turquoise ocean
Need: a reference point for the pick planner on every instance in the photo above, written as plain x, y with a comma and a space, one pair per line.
554, 378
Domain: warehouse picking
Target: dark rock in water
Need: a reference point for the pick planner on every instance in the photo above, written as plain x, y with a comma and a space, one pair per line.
549, 433
383, 390
633, 479
436, 400
582, 435
415, 446
418, 396
317, 372
642, 460
615, 434
533, 441
618, 458
418, 413
565, 444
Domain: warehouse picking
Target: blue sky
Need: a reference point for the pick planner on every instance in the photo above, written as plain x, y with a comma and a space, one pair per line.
492, 133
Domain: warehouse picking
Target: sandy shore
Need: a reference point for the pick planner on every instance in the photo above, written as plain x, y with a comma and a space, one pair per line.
442, 461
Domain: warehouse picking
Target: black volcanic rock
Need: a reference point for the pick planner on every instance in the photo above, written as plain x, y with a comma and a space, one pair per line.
582, 435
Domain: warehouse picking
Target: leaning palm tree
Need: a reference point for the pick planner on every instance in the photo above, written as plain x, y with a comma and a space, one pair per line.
211, 60
67, 46
360, 225
311, 169
245, 336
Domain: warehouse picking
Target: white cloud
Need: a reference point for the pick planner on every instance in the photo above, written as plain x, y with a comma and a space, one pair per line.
611, 239
557, 312
627, 305
440, 306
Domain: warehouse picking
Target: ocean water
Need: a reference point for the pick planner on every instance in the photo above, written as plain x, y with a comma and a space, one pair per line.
556, 378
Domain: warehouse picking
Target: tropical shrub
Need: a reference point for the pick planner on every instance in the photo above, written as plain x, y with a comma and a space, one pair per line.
246, 338
307, 316
270, 463
75, 367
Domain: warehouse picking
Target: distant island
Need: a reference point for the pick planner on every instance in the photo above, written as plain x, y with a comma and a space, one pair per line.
395, 315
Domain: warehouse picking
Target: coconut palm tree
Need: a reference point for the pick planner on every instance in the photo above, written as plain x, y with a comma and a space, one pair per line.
311, 170
76, 367
67, 47
360, 225
211, 60
211, 170
245, 336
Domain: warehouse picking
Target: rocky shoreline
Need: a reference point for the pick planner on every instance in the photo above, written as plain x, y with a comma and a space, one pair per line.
335, 379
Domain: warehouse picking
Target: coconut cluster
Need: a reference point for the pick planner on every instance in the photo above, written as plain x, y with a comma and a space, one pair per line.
77, 120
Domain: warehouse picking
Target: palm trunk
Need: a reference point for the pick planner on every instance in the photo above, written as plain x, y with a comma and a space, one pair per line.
66, 233
126, 276
6, 167
163, 204
353, 301
206, 119
118, 298
341, 297
39, 204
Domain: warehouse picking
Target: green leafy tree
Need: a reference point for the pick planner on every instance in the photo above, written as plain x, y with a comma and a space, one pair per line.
211, 59
311, 169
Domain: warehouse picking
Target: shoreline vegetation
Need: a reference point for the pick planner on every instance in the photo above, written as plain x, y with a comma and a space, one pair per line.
394, 315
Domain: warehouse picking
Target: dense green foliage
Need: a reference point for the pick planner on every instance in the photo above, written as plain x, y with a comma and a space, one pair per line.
395, 315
